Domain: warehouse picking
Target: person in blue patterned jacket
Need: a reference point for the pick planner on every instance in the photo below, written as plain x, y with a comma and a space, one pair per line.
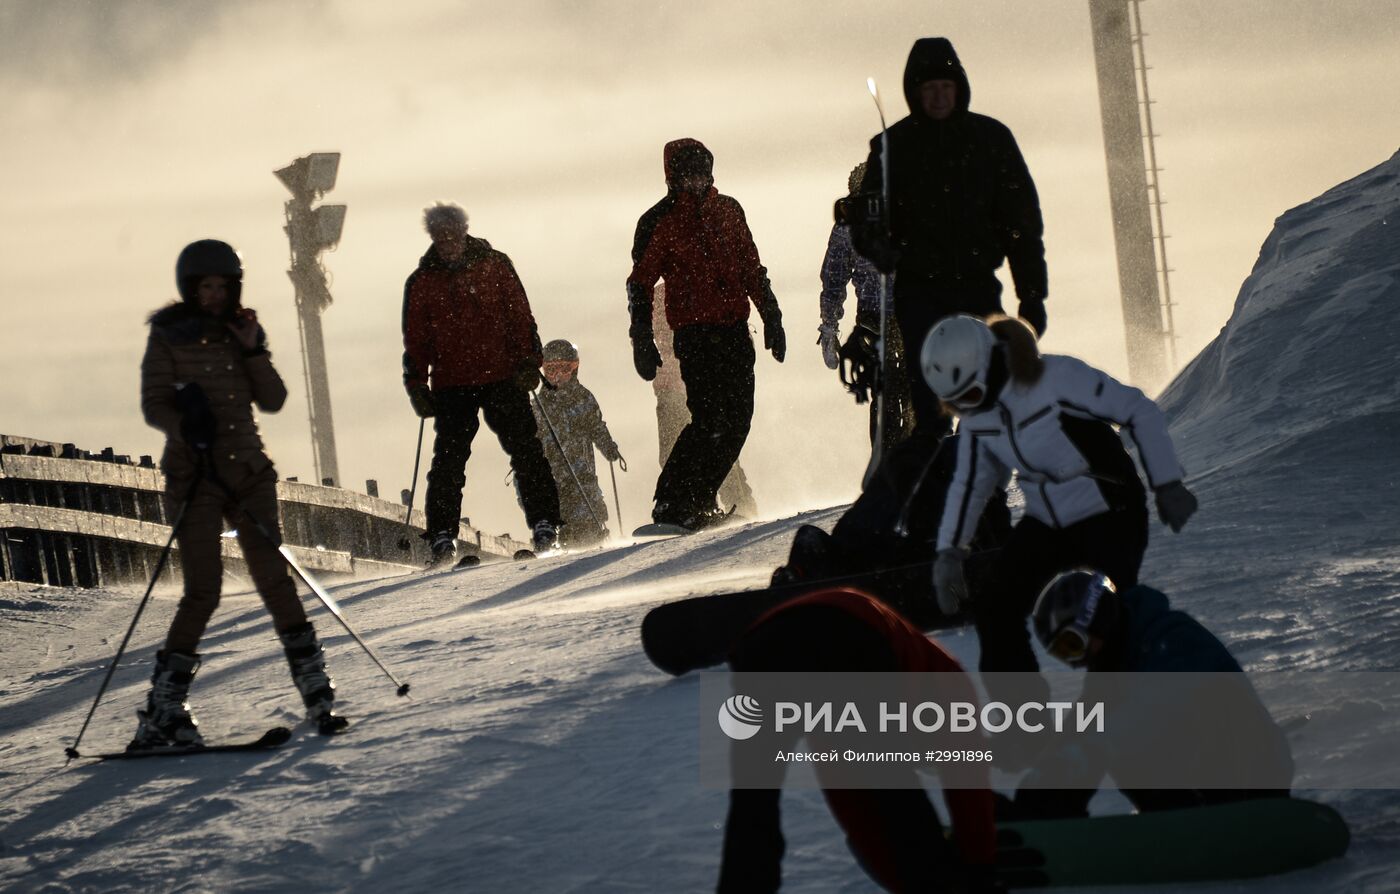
841, 265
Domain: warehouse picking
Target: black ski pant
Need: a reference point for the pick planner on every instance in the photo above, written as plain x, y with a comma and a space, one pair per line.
508, 414
1112, 542
920, 302
892, 832
717, 367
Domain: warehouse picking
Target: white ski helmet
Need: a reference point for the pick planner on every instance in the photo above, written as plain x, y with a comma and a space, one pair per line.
957, 358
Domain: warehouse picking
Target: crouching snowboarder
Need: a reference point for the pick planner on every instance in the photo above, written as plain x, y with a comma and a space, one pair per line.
1083, 620
893, 832
567, 411
1051, 420
206, 364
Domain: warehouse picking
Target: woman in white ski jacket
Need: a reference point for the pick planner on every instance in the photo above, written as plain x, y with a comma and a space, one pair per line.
1050, 419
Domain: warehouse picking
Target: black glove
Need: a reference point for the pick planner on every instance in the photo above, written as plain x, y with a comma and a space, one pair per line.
1175, 504
527, 376
860, 363
420, 397
610, 452
774, 339
645, 357
198, 427
1032, 311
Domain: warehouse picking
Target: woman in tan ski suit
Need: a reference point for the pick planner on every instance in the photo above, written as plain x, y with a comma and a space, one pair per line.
206, 364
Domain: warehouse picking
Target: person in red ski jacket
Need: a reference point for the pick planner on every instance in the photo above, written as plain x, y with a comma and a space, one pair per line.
471, 347
894, 833
698, 241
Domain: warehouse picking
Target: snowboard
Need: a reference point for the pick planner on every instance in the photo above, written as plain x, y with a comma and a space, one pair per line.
278, 735
698, 632
1243, 839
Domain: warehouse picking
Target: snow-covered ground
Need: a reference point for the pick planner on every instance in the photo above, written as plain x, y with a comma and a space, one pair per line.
541, 752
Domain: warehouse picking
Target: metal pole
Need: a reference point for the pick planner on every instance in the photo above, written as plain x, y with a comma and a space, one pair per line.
404, 542
617, 504
570, 466
72, 750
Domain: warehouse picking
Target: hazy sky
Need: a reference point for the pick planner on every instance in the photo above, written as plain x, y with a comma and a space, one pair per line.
131, 128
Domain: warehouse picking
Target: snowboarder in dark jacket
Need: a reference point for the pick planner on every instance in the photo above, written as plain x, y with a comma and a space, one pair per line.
471, 348
961, 201
699, 242
1082, 619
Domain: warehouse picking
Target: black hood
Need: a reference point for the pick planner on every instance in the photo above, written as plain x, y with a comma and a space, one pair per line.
933, 58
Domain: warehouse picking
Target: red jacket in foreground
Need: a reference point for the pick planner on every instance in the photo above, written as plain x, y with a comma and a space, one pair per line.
468, 323
970, 808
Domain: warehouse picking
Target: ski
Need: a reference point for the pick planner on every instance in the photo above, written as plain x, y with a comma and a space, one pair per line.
277, 736
657, 529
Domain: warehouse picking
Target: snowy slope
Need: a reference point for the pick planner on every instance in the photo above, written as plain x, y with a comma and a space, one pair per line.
541, 752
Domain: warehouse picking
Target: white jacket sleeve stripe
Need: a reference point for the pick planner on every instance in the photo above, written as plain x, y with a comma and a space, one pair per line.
1098, 394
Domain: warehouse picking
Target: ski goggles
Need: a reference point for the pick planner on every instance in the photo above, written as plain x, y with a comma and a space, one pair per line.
970, 398
1070, 643
559, 369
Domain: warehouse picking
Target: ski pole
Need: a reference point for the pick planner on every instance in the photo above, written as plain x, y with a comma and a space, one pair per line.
72, 751
877, 449
617, 504
570, 466
307, 579
404, 542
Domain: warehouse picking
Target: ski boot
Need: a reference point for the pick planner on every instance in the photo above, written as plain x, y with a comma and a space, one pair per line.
166, 720
308, 664
444, 549
544, 538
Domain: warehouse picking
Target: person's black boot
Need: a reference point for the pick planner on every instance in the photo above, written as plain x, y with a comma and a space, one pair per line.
166, 720
308, 663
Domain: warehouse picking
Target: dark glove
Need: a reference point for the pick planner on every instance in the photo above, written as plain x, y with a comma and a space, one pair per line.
527, 376
860, 363
610, 452
198, 427
1175, 504
645, 357
949, 581
1033, 312
829, 337
420, 397
774, 339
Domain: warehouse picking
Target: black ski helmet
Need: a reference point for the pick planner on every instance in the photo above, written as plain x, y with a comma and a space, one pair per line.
1071, 608
561, 349
208, 257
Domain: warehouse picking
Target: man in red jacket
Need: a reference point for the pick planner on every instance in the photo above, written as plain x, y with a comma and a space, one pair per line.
698, 241
468, 330
894, 833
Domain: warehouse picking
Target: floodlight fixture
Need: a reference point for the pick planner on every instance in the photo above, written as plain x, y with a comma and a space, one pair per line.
309, 175
329, 221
